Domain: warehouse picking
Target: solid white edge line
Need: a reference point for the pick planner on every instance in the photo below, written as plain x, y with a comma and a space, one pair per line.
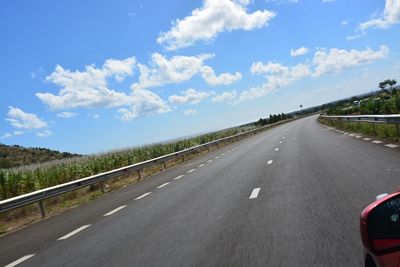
74, 232
161, 186
254, 193
142, 196
179, 177
20, 260
115, 210
192, 170
269, 161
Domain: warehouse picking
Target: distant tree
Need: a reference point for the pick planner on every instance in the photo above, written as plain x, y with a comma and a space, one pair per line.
391, 83
301, 107
382, 85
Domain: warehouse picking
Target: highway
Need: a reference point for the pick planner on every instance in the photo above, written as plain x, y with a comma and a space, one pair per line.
290, 196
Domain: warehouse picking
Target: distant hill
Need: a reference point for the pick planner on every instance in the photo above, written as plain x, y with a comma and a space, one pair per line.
14, 156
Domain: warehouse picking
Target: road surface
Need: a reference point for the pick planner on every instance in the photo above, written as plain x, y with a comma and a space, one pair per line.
290, 196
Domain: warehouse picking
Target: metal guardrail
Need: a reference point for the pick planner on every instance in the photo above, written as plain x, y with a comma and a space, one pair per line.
40, 195
386, 119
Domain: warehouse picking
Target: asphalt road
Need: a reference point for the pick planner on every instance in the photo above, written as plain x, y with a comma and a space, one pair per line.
290, 196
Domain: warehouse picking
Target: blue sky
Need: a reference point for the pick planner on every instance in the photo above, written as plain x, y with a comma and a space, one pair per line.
90, 76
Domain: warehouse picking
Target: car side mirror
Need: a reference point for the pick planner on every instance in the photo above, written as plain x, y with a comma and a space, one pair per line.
380, 225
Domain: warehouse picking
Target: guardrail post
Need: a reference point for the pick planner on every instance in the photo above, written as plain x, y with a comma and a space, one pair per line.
183, 157
397, 132
165, 165
139, 174
373, 128
102, 187
42, 210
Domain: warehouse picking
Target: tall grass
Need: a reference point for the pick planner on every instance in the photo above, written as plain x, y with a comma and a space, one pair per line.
21, 180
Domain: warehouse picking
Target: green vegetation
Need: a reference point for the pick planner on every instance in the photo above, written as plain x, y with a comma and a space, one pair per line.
14, 156
387, 101
385, 131
25, 179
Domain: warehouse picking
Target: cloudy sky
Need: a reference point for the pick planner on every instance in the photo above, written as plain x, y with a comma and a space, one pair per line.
89, 76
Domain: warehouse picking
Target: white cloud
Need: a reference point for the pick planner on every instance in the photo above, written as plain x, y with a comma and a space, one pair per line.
389, 17
335, 60
225, 97
324, 62
66, 114
190, 112
190, 96
93, 116
18, 132
174, 70
6, 135
209, 76
144, 103
299, 52
327, 1
22, 120
45, 133
214, 17
88, 89
344, 22
178, 69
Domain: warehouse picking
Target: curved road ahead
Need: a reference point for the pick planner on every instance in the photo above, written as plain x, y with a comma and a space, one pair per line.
290, 196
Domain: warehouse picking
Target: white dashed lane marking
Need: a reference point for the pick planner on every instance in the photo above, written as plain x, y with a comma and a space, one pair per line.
358, 136
201, 165
377, 142
276, 149
392, 145
210, 160
192, 170
142, 196
269, 162
217, 157
179, 177
20, 260
115, 210
280, 142
367, 139
161, 186
74, 232
255, 192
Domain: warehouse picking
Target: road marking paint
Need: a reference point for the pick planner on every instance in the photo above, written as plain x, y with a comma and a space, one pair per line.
280, 142
74, 232
377, 142
217, 157
392, 145
20, 260
201, 165
233, 149
269, 162
223, 154
367, 139
210, 160
115, 210
283, 137
346, 133
179, 177
358, 136
164, 184
192, 170
276, 149
255, 192
352, 135
142, 196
